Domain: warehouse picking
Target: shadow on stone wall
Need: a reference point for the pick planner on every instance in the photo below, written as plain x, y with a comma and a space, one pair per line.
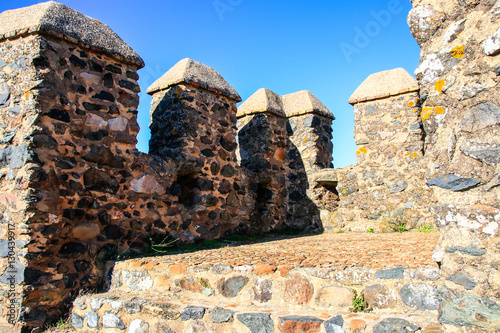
273, 170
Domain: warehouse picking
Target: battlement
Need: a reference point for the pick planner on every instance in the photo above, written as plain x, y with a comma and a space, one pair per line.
77, 194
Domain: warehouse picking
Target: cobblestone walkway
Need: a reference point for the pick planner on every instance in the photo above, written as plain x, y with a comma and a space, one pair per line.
335, 251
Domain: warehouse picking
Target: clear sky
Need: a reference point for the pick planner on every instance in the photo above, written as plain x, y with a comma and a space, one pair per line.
326, 46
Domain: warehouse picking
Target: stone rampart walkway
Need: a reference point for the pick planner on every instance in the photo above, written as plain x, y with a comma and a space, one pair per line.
335, 251
290, 284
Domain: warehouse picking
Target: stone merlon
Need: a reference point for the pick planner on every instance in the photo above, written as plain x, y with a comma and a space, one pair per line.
291, 105
263, 100
197, 74
54, 19
384, 84
304, 102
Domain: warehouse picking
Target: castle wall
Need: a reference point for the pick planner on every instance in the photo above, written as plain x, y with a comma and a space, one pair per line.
262, 140
194, 130
458, 75
18, 167
310, 150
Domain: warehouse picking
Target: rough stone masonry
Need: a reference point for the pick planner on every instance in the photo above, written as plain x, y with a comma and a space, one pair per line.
75, 191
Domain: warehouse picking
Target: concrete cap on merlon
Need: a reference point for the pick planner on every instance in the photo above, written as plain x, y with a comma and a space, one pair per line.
55, 19
304, 102
384, 84
263, 100
197, 74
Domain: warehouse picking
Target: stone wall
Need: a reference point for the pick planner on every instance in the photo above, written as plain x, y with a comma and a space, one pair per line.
458, 77
386, 186
17, 167
75, 191
283, 140
428, 155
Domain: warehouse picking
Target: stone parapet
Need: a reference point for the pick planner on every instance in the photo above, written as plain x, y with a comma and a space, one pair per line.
282, 283
458, 75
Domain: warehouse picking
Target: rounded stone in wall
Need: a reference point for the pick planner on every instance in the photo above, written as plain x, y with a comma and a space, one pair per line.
298, 290
85, 231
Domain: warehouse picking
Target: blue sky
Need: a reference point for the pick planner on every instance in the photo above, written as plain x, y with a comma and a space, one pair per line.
326, 46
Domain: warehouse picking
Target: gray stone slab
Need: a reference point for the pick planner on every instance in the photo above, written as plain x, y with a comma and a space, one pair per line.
462, 279
481, 116
420, 296
257, 322
221, 315
487, 153
453, 182
395, 325
110, 320
334, 325
393, 273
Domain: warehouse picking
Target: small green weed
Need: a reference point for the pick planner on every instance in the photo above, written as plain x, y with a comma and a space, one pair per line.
61, 326
161, 245
370, 230
358, 303
425, 228
395, 221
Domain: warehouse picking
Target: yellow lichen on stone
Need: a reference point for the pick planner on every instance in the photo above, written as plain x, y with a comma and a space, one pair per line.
426, 113
415, 154
411, 104
457, 52
439, 85
394, 147
438, 110
363, 150
358, 152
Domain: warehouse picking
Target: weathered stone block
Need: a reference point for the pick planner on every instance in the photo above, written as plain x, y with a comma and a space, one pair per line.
137, 280
92, 319
468, 310
393, 273
380, 296
481, 116
420, 296
295, 324
334, 324
394, 325
232, 286
298, 290
262, 290
138, 326
334, 297
257, 322
193, 312
453, 182
462, 279
221, 315
76, 321
110, 320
